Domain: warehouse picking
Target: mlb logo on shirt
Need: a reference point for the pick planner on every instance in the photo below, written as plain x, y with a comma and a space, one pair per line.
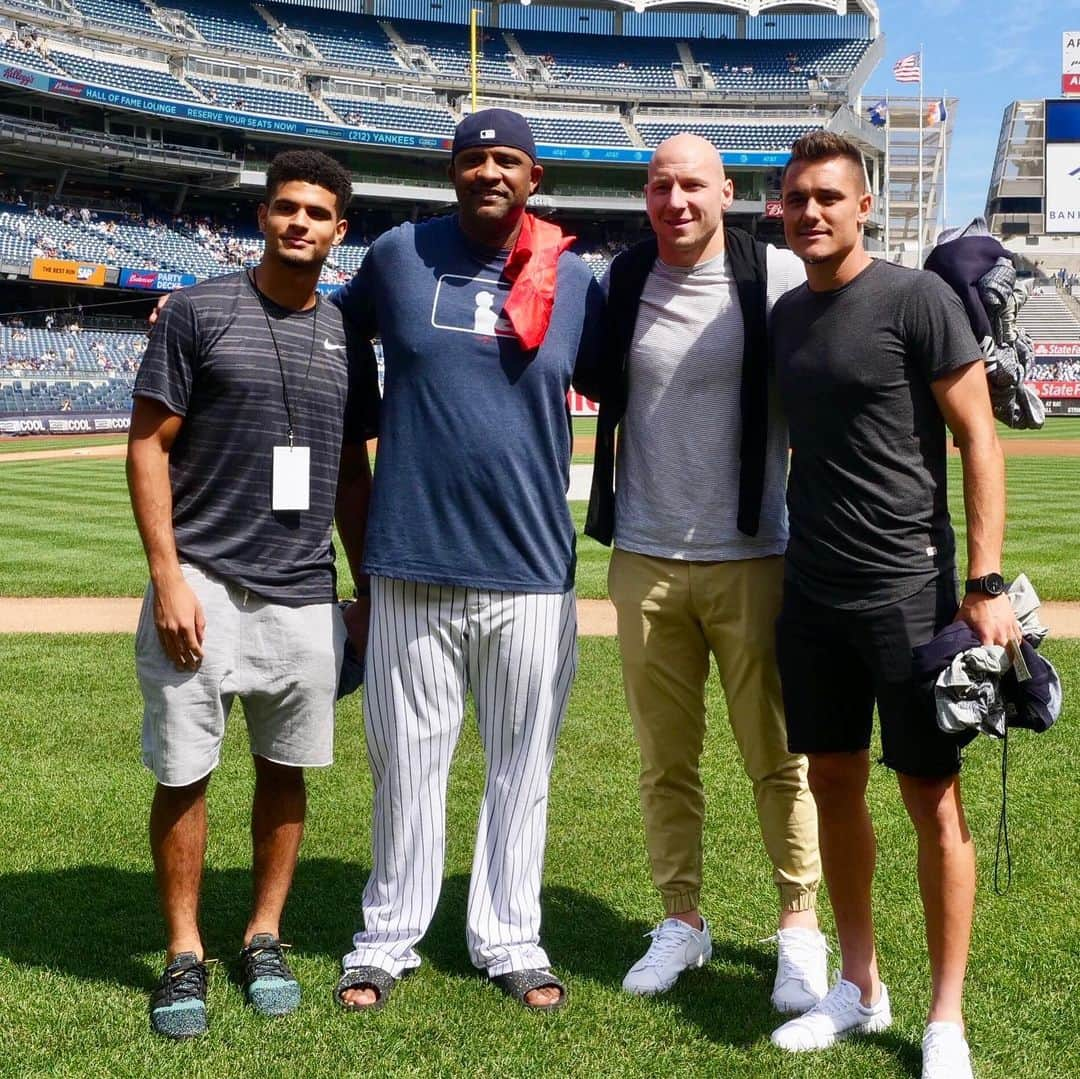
471, 305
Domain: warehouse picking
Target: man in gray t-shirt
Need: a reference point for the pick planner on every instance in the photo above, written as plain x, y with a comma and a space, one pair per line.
699, 530
247, 432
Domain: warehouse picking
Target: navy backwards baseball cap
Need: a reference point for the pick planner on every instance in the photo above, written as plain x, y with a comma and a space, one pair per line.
494, 127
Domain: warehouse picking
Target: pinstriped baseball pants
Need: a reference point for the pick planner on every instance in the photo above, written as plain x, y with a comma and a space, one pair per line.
429, 645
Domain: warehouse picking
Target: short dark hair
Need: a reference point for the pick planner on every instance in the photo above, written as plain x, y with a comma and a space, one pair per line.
312, 167
820, 145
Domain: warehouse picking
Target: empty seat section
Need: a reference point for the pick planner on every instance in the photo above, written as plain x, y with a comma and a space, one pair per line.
238, 27
264, 100
348, 40
616, 61
25, 57
577, 131
779, 66
448, 47
773, 138
126, 14
360, 113
124, 77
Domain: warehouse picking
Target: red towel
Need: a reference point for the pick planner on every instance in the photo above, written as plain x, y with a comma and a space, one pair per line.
531, 267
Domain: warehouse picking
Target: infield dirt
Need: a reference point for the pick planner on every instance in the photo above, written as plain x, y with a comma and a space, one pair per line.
596, 617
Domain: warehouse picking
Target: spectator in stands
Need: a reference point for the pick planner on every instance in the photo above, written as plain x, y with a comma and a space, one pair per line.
872, 360
696, 512
470, 574
242, 600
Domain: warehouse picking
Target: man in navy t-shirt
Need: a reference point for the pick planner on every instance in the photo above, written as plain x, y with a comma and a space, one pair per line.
486, 320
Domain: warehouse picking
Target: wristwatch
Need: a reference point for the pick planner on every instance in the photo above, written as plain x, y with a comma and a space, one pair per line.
993, 584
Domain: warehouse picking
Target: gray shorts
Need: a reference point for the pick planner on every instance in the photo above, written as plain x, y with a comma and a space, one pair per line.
282, 662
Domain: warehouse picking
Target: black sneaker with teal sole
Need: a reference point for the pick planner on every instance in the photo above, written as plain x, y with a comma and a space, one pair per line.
178, 1004
268, 983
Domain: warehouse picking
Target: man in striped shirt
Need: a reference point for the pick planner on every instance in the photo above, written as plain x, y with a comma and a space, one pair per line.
249, 422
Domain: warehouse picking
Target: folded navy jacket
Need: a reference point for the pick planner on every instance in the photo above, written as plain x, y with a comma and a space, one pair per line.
1033, 704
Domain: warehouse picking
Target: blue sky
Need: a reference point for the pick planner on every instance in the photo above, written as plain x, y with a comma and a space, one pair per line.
987, 53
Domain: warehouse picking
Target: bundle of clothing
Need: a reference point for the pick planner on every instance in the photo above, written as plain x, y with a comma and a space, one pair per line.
980, 271
989, 688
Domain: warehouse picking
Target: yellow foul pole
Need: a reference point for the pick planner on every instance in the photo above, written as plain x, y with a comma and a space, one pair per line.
473, 62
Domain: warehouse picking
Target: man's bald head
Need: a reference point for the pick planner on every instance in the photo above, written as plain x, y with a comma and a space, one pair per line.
686, 195
687, 149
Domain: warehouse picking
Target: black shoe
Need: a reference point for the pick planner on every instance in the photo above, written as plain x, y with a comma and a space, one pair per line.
178, 1004
269, 985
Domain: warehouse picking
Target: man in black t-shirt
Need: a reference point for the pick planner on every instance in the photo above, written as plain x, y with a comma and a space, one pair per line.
247, 433
873, 361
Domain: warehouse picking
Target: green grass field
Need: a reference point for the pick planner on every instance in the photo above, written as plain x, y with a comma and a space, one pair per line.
80, 939
10, 444
53, 547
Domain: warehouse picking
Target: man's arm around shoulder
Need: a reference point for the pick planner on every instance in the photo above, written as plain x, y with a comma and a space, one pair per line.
964, 400
178, 614
350, 513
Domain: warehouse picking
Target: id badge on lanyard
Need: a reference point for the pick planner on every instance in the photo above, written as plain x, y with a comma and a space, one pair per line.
292, 478
291, 466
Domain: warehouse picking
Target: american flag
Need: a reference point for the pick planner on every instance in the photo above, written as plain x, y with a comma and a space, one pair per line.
908, 69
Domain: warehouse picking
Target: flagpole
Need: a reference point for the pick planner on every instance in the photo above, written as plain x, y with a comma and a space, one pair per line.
944, 163
919, 243
473, 60
887, 199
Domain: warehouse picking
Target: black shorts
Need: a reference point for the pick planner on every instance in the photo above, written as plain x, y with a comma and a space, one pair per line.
835, 664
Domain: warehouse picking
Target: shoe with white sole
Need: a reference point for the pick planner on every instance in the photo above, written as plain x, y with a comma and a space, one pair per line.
802, 977
675, 947
836, 1016
945, 1053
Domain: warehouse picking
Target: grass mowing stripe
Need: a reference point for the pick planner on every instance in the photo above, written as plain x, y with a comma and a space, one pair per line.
80, 938
51, 510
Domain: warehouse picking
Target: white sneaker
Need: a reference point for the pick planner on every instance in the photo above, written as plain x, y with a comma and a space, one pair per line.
945, 1053
675, 947
802, 977
836, 1016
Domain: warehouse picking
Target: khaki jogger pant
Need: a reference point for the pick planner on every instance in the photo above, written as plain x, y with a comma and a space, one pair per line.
671, 615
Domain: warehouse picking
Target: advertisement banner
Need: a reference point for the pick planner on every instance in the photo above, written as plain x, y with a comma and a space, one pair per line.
1062, 408
580, 405
67, 272
1063, 187
774, 208
1070, 62
1057, 348
66, 424
159, 280
1055, 390
201, 113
